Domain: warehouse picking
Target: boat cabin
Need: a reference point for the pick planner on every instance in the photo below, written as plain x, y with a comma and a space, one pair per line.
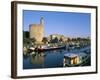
72, 59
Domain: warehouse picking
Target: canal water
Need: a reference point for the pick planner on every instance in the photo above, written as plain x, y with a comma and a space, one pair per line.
48, 59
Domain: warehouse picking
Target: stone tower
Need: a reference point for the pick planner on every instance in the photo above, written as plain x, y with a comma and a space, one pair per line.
37, 30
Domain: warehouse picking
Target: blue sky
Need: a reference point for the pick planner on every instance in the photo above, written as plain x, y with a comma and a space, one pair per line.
66, 23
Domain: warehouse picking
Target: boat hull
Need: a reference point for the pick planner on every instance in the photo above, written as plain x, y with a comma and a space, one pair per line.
49, 49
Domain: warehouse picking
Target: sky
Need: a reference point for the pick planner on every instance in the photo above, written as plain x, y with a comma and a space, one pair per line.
69, 24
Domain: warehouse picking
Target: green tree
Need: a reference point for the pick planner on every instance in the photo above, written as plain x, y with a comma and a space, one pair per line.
45, 40
33, 40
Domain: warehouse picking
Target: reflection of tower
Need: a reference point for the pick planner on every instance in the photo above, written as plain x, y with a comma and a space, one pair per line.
37, 59
37, 30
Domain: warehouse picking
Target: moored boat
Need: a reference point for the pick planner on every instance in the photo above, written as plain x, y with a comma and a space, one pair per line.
50, 48
31, 49
72, 59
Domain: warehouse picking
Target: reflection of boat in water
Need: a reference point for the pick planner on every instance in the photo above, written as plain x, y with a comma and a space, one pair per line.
31, 49
50, 48
73, 59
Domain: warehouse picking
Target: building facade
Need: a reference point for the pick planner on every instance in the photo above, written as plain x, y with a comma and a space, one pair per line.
58, 36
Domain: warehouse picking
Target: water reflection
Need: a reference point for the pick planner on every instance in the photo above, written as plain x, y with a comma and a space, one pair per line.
44, 60
37, 58
49, 59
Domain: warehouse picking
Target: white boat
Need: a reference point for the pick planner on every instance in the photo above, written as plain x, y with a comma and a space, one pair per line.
31, 49
75, 59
